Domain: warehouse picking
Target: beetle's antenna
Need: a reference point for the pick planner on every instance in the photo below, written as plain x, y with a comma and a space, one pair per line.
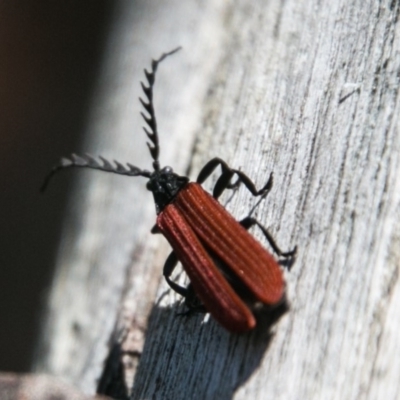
154, 147
101, 164
88, 161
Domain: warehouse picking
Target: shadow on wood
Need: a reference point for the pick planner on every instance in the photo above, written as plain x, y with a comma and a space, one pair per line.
169, 362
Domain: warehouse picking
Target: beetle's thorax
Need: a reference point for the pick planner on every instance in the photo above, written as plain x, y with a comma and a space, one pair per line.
165, 185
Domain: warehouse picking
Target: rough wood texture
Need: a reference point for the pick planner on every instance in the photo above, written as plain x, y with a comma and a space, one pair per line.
309, 90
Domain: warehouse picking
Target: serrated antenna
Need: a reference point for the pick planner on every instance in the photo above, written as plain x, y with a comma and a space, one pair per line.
101, 164
150, 120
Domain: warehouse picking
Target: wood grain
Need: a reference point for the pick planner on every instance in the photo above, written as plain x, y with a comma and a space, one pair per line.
309, 90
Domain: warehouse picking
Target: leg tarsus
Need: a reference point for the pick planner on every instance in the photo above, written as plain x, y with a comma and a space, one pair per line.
193, 303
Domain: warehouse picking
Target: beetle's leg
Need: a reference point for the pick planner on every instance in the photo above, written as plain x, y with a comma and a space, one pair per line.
169, 267
224, 181
155, 229
192, 302
248, 222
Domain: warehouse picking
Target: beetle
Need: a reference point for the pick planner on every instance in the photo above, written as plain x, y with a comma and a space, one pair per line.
230, 272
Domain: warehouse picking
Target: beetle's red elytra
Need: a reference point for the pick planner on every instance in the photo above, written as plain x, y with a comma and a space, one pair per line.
194, 222
229, 270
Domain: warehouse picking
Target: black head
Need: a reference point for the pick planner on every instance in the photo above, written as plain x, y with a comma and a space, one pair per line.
164, 183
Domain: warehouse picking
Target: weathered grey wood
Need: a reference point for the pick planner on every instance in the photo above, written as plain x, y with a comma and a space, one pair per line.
306, 89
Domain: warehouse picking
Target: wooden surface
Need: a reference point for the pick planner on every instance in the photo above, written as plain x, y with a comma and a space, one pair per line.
309, 90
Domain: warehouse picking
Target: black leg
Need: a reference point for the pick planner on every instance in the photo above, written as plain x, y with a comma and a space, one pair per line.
192, 302
248, 222
155, 230
169, 267
224, 181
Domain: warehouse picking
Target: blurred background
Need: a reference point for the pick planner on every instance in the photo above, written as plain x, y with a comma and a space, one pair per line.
50, 54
